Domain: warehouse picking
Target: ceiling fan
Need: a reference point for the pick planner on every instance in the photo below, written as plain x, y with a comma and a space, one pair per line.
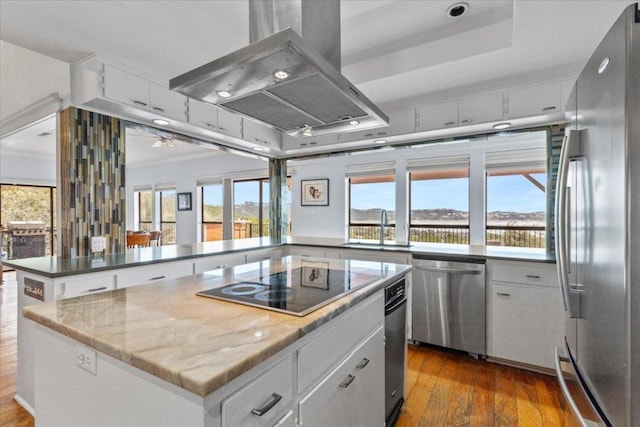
163, 141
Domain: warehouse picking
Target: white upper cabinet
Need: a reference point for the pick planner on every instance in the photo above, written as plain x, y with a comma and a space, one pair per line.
480, 109
290, 142
203, 114
258, 133
229, 123
125, 87
167, 103
439, 115
534, 100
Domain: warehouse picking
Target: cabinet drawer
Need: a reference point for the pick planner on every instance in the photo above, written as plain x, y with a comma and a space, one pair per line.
218, 261
140, 275
236, 409
525, 273
83, 286
324, 352
352, 394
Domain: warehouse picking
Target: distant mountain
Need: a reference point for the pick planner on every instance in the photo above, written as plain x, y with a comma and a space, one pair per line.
449, 216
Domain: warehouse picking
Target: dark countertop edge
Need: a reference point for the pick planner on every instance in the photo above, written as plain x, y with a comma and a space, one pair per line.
430, 253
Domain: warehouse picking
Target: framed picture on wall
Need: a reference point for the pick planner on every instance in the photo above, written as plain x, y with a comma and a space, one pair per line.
184, 201
315, 192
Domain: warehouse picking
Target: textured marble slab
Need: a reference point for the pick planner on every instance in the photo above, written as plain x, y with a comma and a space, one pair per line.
197, 343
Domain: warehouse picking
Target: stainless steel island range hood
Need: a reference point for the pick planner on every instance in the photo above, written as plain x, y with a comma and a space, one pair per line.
288, 77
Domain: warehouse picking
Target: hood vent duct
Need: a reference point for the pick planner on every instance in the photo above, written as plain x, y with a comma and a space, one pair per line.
288, 77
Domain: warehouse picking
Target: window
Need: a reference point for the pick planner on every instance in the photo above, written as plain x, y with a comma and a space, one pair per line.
211, 212
439, 200
516, 198
368, 196
27, 214
251, 208
145, 211
168, 216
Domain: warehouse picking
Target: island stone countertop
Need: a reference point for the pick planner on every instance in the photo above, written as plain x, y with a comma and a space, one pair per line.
53, 266
197, 343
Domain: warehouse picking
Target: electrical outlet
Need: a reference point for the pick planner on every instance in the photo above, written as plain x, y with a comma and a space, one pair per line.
98, 243
87, 359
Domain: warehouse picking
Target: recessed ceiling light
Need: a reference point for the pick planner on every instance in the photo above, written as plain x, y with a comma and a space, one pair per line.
161, 122
354, 122
224, 94
259, 148
280, 74
306, 130
502, 125
457, 10
380, 141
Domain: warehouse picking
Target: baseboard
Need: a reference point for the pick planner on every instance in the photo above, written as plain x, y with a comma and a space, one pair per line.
527, 366
25, 405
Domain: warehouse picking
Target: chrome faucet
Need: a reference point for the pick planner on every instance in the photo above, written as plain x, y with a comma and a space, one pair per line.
384, 222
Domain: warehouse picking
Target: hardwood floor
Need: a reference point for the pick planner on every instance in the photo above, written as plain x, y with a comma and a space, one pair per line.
445, 388
11, 414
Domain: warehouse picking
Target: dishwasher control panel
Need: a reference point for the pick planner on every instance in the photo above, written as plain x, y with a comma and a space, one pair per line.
394, 291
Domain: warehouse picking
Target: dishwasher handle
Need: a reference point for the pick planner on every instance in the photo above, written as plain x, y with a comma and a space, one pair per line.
393, 306
447, 270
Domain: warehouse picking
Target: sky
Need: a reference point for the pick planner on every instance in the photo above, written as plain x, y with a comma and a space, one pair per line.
504, 193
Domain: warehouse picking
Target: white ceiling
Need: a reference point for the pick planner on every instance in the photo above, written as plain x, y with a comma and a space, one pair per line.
396, 51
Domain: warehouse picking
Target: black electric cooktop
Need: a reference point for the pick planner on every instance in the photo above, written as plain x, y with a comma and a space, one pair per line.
298, 291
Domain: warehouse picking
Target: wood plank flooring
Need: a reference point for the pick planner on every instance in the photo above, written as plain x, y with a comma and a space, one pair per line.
445, 388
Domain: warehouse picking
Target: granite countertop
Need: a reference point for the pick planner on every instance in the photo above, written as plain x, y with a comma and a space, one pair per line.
53, 266
197, 343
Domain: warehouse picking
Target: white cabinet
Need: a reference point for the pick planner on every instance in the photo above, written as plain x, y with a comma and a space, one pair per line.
217, 261
534, 100
89, 284
480, 109
125, 87
351, 395
130, 89
312, 251
437, 116
260, 134
525, 313
133, 276
263, 254
229, 123
262, 400
287, 421
203, 114
290, 142
373, 255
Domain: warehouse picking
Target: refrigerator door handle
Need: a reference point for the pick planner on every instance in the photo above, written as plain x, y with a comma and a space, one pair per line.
560, 229
560, 357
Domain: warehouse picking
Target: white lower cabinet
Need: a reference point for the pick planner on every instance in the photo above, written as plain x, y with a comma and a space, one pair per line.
134, 276
218, 261
353, 393
374, 255
262, 400
88, 284
525, 321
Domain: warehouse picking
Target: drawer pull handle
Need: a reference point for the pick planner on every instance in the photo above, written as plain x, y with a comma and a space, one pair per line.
532, 276
221, 266
503, 294
223, 129
102, 288
362, 364
158, 109
346, 383
552, 107
449, 123
158, 278
135, 101
211, 125
467, 120
273, 401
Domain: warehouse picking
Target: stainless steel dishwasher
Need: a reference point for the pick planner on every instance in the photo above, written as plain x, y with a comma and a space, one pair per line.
449, 304
395, 311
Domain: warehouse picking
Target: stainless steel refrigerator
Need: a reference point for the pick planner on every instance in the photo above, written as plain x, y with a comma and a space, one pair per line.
598, 234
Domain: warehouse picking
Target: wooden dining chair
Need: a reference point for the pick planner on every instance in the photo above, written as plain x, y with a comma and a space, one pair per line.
137, 240
154, 238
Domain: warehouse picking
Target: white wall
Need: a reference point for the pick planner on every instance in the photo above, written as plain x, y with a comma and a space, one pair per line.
331, 221
27, 80
27, 170
185, 175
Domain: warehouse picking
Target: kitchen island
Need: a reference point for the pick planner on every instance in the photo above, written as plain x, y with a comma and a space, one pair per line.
157, 354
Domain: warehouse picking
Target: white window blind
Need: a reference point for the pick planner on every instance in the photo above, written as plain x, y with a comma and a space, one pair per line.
531, 159
209, 181
142, 188
438, 163
365, 169
164, 186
